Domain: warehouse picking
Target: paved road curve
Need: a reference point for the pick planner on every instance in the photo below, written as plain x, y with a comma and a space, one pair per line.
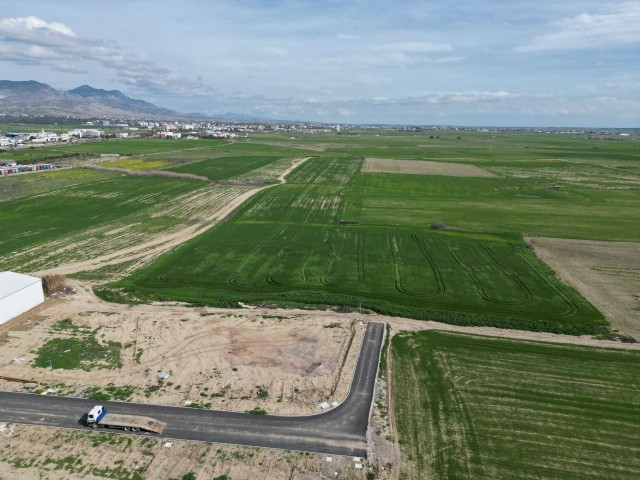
340, 431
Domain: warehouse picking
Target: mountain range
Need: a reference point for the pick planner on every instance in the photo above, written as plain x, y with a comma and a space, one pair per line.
35, 98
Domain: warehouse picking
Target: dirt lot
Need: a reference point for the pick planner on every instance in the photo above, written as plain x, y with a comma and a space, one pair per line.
28, 452
231, 360
606, 273
422, 167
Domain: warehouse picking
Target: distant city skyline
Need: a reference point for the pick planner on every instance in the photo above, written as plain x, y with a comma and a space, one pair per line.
503, 63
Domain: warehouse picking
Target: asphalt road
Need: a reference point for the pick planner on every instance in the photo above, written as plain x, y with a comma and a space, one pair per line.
340, 431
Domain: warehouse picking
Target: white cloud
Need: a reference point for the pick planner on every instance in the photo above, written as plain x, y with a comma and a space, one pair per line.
620, 25
35, 30
31, 40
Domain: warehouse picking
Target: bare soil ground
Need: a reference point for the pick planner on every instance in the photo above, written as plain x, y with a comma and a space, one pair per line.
229, 360
28, 452
422, 167
606, 273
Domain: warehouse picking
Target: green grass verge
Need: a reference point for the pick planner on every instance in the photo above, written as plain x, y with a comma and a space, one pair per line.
470, 407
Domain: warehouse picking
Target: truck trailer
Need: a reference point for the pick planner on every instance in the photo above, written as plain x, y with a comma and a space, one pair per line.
98, 417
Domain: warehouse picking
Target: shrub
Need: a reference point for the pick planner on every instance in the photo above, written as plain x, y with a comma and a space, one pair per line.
53, 283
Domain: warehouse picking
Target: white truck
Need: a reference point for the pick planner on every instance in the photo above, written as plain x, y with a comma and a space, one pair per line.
98, 417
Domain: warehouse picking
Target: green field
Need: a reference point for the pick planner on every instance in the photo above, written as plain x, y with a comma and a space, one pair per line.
336, 236
222, 168
86, 206
73, 214
290, 245
469, 407
497, 205
172, 151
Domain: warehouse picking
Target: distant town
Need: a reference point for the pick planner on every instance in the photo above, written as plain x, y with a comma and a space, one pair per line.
101, 129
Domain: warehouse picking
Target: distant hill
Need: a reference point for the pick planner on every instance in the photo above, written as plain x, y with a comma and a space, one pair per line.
117, 99
35, 98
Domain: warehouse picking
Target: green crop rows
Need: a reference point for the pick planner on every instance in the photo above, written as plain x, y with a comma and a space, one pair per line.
290, 244
471, 407
335, 236
37, 219
221, 168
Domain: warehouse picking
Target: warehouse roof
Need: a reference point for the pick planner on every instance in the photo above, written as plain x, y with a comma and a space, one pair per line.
12, 282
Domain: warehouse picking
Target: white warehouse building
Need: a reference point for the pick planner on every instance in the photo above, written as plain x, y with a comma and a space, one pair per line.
18, 293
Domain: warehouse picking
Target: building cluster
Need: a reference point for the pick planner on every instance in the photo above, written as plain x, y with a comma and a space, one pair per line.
42, 137
9, 167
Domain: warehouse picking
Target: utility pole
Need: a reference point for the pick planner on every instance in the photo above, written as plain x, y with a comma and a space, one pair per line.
53, 380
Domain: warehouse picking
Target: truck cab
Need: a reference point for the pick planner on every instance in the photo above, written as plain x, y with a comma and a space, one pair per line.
96, 414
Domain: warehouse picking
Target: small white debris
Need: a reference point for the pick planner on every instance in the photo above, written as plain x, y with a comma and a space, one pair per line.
334, 404
324, 405
358, 466
329, 459
167, 445
18, 360
357, 459
187, 403
7, 428
162, 375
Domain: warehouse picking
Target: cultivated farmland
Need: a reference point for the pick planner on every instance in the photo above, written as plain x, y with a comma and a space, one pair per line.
76, 220
423, 167
475, 407
225, 167
293, 244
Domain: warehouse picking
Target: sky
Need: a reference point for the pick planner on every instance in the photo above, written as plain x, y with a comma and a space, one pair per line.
498, 63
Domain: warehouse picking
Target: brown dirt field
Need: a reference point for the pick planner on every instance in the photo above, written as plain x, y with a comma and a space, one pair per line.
422, 167
28, 452
223, 359
606, 273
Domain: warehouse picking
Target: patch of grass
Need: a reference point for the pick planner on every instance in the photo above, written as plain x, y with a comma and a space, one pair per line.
257, 411
80, 350
384, 353
199, 405
333, 325
110, 439
110, 392
477, 407
138, 355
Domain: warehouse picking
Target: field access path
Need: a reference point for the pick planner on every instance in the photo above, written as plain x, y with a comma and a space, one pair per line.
340, 431
164, 242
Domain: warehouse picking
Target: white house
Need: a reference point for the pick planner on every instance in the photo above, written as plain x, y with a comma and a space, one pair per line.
18, 293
